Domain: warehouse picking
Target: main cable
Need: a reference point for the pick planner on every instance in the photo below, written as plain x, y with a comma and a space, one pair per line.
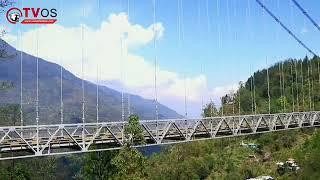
306, 14
285, 28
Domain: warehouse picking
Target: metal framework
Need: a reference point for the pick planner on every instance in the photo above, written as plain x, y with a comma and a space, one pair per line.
45, 140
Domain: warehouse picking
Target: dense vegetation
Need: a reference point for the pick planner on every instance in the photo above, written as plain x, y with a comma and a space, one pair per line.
212, 159
294, 85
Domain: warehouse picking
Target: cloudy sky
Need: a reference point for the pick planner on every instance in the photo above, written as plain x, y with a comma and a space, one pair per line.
204, 47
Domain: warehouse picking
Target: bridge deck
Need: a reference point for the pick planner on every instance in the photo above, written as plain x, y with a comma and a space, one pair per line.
44, 140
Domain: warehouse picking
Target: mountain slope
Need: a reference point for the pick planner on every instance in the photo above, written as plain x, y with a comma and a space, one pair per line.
49, 93
298, 89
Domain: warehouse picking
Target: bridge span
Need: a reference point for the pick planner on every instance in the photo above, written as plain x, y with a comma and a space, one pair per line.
45, 140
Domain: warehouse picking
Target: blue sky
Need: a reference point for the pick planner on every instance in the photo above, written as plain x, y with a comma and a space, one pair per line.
246, 40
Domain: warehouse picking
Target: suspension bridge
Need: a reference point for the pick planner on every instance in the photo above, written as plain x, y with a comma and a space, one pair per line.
27, 141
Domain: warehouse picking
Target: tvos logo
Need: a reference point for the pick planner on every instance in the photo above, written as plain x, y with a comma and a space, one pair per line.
32, 15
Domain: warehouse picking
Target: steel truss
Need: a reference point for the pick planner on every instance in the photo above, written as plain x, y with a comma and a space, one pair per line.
44, 140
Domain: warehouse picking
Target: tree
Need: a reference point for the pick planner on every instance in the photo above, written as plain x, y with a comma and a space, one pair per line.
210, 110
129, 162
3, 5
10, 114
134, 132
98, 165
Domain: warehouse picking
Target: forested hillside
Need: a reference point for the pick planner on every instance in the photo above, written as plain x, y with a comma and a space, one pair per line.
294, 85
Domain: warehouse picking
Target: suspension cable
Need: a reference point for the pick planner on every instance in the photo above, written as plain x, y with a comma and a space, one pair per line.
228, 17
280, 83
181, 37
121, 76
127, 57
283, 87
82, 72
185, 97
218, 24
235, 40
309, 84
208, 31
179, 23
21, 76
285, 28
61, 85
252, 96
318, 71
291, 64
292, 86
37, 84
248, 19
297, 85
306, 14
97, 76
208, 17
155, 60
302, 84
211, 108
248, 13
312, 87
97, 98
82, 82
222, 107
239, 96
182, 19
268, 82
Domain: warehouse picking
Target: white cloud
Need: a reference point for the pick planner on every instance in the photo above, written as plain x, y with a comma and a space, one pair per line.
218, 92
102, 51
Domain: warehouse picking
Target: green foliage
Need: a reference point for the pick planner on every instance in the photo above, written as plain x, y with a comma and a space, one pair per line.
210, 110
130, 164
299, 89
6, 85
127, 163
134, 132
10, 115
98, 166
309, 157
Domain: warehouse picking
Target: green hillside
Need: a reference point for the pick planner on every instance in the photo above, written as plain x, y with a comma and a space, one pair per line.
298, 89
